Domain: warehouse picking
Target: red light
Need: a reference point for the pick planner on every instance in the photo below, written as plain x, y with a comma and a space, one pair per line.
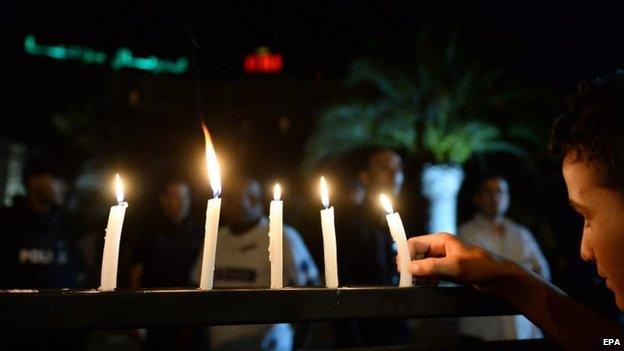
263, 61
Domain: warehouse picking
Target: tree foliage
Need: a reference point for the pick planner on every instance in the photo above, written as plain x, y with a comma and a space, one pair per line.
436, 109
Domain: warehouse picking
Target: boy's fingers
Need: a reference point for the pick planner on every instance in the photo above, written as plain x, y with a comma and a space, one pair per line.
429, 245
432, 266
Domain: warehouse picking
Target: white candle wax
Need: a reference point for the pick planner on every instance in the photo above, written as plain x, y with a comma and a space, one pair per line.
329, 247
329, 238
110, 256
276, 240
398, 235
213, 209
210, 243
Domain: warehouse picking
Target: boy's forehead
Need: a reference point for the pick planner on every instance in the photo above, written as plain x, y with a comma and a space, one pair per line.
578, 176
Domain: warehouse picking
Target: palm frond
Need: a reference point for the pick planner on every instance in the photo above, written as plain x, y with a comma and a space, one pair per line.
428, 110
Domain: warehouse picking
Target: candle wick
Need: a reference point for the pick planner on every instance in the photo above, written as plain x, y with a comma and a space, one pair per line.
217, 194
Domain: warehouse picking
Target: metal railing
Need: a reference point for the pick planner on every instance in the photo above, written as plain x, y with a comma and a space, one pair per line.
63, 309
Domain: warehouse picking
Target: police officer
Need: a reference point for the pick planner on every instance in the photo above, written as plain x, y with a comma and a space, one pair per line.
37, 249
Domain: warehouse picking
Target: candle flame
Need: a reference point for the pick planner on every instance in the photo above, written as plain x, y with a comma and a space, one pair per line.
385, 202
214, 172
324, 193
277, 192
119, 189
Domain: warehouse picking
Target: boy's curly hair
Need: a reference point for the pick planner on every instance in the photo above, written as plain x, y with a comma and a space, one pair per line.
593, 127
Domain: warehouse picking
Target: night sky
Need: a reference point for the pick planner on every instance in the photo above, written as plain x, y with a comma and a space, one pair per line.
556, 44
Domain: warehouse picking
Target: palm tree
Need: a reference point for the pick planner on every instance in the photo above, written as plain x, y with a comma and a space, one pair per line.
434, 111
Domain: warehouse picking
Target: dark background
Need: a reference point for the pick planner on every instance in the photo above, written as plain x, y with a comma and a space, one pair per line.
144, 124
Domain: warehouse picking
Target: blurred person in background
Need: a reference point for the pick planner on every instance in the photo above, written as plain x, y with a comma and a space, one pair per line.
163, 256
366, 254
39, 249
242, 261
168, 242
492, 230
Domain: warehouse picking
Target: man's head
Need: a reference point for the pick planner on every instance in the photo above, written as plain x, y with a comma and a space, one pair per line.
175, 200
590, 136
44, 186
244, 206
383, 172
492, 197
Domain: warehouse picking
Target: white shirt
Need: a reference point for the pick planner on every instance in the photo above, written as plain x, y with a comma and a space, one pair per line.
517, 244
242, 260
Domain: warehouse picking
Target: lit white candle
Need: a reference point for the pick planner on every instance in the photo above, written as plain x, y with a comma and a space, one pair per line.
329, 238
276, 238
213, 210
398, 235
110, 256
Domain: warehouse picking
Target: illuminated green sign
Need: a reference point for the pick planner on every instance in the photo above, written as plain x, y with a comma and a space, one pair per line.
123, 57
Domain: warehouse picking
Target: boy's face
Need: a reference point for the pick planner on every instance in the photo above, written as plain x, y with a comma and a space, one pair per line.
603, 211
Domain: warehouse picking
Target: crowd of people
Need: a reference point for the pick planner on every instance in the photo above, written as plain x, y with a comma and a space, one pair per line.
44, 249
41, 244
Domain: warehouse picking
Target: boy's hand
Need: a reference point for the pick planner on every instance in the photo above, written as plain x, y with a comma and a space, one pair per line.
444, 256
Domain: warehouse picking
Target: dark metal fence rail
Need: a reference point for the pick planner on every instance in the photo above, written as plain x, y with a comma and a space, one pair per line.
94, 310
91, 309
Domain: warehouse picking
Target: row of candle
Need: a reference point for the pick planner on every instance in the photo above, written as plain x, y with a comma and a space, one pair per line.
213, 208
